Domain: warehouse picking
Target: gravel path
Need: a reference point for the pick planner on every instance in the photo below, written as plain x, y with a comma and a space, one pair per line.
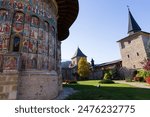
136, 84
65, 93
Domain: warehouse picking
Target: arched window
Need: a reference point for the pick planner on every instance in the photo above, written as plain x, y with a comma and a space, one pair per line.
16, 44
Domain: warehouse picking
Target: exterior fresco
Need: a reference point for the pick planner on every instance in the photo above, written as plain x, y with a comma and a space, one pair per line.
28, 27
30, 47
10, 63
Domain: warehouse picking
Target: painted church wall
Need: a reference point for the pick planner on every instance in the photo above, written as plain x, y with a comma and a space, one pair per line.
28, 27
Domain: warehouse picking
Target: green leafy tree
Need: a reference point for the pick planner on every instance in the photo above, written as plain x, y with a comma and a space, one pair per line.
83, 68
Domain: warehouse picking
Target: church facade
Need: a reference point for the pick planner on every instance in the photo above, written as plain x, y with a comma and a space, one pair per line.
31, 32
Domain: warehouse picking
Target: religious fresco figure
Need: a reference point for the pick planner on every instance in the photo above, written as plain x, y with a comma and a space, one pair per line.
18, 24
32, 62
26, 32
3, 15
10, 63
35, 21
23, 61
25, 45
19, 17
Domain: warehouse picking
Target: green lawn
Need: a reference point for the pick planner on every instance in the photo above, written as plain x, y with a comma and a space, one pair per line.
87, 90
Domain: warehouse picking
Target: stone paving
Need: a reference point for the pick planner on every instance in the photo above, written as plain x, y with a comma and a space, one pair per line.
65, 93
136, 84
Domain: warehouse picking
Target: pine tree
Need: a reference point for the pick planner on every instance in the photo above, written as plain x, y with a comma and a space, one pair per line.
83, 68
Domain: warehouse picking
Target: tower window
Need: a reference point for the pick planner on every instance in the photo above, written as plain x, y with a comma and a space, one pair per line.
122, 45
129, 41
137, 54
128, 56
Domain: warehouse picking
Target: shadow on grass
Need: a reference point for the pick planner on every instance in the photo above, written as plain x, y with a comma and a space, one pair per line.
89, 92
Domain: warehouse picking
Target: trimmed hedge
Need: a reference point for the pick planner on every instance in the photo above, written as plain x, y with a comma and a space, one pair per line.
108, 81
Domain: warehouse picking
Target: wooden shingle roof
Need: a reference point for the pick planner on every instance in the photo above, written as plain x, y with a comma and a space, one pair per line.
67, 12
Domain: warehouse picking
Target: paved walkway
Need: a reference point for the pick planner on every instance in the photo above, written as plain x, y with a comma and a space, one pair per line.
136, 84
65, 93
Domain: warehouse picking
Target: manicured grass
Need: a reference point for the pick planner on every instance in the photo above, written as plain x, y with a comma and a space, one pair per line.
88, 90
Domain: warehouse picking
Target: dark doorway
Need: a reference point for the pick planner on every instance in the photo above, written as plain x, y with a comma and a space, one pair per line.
16, 44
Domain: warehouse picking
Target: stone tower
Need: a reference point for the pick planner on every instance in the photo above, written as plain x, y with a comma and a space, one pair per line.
76, 57
135, 47
31, 32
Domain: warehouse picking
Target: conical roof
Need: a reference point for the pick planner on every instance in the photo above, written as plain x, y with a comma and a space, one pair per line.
132, 26
78, 53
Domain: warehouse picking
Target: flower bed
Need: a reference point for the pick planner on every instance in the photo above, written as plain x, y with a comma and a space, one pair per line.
148, 80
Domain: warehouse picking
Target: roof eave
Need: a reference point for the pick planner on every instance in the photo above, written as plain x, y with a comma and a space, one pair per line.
135, 34
67, 12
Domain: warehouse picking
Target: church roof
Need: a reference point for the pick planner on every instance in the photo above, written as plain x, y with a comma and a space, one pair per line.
79, 53
132, 26
67, 12
134, 35
109, 63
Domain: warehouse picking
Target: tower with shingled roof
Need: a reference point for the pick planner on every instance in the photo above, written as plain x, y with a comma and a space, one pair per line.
76, 57
136, 46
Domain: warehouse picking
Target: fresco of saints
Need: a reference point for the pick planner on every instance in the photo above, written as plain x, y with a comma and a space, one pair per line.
10, 63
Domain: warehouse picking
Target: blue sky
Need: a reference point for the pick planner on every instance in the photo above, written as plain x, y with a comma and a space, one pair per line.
100, 24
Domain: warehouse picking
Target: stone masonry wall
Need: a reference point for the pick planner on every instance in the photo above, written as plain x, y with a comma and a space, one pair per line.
38, 85
133, 53
8, 86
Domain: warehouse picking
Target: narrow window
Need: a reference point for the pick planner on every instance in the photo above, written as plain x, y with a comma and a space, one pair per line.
134, 66
122, 45
16, 44
129, 41
137, 54
128, 56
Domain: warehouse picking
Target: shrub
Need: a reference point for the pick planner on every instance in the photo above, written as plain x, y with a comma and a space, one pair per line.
139, 79
147, 70
143, 73
107, 75
108, 81
128, 79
